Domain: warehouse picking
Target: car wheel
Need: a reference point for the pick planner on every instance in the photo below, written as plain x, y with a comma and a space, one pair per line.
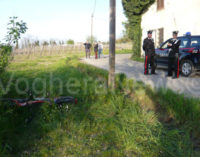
187, 68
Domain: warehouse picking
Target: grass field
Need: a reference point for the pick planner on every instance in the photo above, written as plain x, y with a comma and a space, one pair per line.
138, 59
132, 121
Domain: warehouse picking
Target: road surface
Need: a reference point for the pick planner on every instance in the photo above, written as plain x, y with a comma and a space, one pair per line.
134, 70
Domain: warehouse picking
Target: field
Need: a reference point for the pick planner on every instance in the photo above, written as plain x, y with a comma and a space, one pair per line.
49, 50
132, 121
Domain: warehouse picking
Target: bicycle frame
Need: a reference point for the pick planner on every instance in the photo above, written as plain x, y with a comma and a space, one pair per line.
57, 101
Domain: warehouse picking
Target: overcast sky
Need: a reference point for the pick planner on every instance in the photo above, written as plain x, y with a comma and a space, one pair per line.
61, 19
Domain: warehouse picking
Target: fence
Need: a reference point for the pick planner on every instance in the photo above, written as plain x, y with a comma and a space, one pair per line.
61, 49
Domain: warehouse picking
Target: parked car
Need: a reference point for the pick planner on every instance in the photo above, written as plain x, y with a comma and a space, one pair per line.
189, 56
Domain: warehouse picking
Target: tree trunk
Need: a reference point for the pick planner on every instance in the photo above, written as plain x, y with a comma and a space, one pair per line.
17, 45
111, 81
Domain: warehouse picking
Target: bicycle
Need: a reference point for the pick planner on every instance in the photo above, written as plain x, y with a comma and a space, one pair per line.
34, 101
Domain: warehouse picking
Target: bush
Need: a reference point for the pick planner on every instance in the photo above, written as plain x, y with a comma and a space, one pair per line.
5, 52
133, 11
70, 42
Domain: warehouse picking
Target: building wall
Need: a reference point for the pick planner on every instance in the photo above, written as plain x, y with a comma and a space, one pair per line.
181, 15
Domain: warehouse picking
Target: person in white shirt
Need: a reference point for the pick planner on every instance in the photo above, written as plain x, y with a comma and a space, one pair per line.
100, 49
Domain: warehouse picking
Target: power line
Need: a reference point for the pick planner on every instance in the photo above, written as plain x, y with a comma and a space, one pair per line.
92, 20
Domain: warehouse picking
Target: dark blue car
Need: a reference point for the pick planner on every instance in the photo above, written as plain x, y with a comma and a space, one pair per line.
189, 57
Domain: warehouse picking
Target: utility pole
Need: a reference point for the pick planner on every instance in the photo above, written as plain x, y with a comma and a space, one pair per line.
92, 20
111, 81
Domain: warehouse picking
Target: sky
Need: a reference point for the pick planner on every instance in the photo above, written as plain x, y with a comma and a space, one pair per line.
61, 19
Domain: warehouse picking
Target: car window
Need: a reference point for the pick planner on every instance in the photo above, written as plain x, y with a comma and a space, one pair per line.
184, 42
164, 46
195, 41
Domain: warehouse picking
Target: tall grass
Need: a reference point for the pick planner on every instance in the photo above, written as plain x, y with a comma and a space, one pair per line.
132, 121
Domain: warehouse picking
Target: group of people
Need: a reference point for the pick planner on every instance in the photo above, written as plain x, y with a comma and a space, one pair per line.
98, 49
173, 58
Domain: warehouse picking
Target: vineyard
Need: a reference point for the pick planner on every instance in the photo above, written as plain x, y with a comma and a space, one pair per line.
62, 49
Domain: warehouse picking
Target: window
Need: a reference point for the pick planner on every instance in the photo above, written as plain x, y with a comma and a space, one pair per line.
160, 4
195, 42
160, 36
184, 42
164, 46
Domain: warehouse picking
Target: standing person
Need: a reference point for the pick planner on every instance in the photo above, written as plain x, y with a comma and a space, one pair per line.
87, 49
149, 48
100, 49
173, 59
96, 50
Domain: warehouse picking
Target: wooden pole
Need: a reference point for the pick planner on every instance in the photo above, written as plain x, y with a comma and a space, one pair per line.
92, 22
111, 81
92, 17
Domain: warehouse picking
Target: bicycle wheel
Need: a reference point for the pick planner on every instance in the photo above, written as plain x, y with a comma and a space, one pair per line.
65, 100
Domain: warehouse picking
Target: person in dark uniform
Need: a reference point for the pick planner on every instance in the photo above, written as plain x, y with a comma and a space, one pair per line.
96, 50
149, 48
173, 59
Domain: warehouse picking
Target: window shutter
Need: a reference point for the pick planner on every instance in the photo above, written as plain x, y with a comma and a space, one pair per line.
160, 36
160, 4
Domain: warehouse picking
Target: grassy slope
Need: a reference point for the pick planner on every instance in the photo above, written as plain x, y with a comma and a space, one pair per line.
132, 121
138, 59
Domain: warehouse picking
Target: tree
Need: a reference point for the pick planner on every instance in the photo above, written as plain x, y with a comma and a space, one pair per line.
125, 38
70, 42
36, 43
15, 29
5, 51
91, 39
52, 42
133, 11
45, 43
61, 42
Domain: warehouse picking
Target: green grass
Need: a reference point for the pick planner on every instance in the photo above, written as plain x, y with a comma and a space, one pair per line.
122, 51
138, 59
132, 121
